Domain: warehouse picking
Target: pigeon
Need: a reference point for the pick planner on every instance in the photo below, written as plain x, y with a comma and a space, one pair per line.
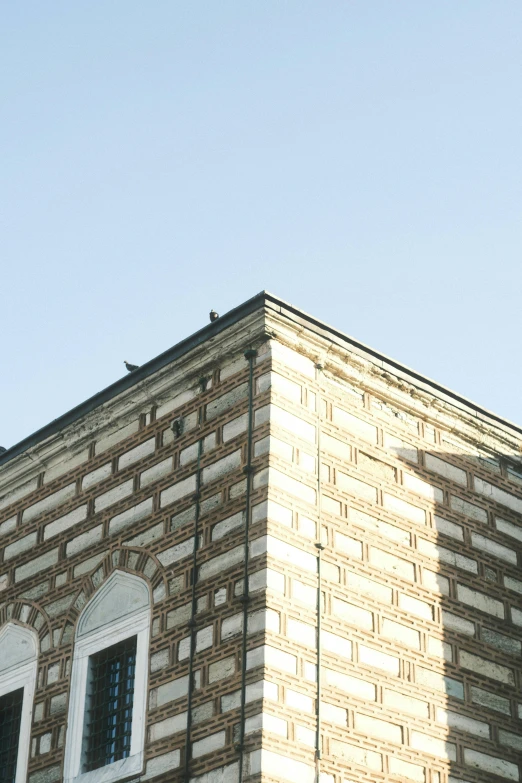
2, 449
130, 367
213, 315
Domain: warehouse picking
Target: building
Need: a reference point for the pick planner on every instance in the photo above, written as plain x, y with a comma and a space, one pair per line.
270, 554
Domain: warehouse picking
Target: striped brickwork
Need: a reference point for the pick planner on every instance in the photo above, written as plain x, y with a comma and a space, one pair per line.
393, 509
130, 504
421, 622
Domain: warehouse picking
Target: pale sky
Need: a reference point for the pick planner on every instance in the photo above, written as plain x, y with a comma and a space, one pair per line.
361, 160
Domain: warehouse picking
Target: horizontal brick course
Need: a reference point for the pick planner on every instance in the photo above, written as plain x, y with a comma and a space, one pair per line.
420, 586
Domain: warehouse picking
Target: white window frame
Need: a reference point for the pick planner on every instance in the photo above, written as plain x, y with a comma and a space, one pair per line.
21, 676
134, 624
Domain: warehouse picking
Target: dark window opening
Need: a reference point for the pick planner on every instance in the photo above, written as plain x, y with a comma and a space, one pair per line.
10, 717
109, 704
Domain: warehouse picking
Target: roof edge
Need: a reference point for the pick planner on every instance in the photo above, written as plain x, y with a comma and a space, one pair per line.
212, 330
143, 372
385, 360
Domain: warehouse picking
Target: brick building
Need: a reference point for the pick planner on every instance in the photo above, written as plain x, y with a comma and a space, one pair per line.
269, 553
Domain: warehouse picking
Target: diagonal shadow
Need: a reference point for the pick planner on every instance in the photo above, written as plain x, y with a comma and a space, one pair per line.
469, 566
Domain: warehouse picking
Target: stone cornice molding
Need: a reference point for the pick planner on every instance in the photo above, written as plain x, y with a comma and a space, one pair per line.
126, 407
398, 389
262, 318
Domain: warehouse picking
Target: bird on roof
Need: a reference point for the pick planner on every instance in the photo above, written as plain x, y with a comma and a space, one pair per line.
213, 315
2, 449
130, 367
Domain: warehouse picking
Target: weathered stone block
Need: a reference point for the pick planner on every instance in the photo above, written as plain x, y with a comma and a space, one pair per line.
161, 764
51, 501
95, 476
379, 660
35, 566
376, 727
65, 522
21, 545
113, 495
84, 540
490, 669
480, 601
225, 401
404, 509
208, 744
355, 615
178, 491
130, 517
491, 764
433, 745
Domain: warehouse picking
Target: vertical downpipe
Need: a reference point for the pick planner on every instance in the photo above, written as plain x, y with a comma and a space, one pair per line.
319, 546
250, 355
193, 610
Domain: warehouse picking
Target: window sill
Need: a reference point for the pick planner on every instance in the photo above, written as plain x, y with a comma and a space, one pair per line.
132, 765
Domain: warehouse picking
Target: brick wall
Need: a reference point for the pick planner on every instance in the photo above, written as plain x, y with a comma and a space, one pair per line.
415, 501
129, 504
421, 628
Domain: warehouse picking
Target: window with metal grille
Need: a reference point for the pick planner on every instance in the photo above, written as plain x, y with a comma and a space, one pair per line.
109, 713
10, 717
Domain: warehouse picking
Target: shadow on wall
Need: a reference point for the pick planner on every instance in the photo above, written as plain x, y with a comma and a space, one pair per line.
470, 553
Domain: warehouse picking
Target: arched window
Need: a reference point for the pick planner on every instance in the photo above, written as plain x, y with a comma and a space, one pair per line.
18, 662
106, 723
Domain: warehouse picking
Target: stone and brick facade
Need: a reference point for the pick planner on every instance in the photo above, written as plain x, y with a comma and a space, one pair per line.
378, 636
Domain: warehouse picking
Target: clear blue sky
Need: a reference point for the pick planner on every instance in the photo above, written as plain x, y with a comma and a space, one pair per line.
360, 159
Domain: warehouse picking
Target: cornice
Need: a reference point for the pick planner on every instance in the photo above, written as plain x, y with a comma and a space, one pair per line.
115, 412
256, 319
397, 387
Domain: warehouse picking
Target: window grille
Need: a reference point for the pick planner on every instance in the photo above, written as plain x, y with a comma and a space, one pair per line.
111, 696
10, 717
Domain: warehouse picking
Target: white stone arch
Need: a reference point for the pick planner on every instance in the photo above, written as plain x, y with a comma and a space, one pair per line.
118, 610
18, 668
120, 596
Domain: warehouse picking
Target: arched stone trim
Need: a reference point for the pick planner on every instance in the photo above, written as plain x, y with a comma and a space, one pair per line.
18, 646
119, 609
18, 668
133, 560
31, 615
121, 595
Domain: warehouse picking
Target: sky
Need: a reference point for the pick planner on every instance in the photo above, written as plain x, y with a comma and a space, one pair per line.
361, 160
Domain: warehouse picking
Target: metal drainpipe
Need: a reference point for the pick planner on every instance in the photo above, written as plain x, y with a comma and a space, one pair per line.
319, 546
250, 355
193, 610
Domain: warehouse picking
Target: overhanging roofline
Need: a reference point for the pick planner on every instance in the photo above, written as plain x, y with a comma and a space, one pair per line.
386, 363
144, 371
264, 298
